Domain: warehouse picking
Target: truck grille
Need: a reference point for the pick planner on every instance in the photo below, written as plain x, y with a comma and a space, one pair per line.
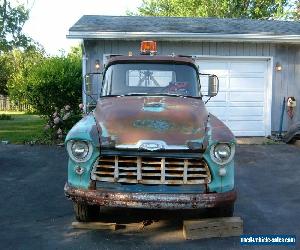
149, 170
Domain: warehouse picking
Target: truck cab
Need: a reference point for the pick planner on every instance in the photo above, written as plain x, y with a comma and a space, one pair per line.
150, 142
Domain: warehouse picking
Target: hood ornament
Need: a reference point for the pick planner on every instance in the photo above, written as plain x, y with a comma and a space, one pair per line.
151, 145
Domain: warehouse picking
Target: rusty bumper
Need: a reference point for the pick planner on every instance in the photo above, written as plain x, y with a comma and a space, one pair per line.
109, 198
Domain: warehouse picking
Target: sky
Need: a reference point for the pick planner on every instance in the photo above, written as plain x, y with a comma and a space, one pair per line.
50, 20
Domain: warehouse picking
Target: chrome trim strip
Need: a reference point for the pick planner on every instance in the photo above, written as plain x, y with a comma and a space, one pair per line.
142, 144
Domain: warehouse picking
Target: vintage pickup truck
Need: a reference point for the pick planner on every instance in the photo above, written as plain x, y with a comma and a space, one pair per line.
150, 142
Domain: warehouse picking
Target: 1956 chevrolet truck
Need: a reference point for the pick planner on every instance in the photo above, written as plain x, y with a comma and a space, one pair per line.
150, 142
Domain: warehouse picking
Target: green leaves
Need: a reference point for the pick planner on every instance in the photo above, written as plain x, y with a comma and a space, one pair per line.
54, 83
254, 9
12, 19
46, 83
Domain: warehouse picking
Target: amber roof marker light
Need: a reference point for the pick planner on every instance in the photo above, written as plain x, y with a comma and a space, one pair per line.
148, 48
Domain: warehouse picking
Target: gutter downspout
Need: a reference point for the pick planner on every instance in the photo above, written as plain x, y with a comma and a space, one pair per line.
84, 62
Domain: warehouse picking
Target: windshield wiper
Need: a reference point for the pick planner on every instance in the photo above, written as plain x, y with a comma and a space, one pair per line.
109, 95
134, 94
156, 94
175, 95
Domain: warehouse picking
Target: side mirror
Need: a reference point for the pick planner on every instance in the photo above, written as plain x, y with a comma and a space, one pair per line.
213, 85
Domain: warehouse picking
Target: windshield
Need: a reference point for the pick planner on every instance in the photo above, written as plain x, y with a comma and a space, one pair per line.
150, 79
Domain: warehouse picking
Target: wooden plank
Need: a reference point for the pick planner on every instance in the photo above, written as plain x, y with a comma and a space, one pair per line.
94, 225
212, 227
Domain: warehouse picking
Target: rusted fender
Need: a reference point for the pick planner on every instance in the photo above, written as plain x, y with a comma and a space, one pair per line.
85, 129
219, 131
150, 200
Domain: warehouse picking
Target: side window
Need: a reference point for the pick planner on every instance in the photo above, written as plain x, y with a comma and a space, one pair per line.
107, 82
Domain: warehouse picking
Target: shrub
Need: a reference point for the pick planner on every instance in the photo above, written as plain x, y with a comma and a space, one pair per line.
54, 83
20, 65
5, 117
61, 122
49, 85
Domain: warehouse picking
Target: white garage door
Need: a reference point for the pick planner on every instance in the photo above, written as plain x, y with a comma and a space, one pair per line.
241, 102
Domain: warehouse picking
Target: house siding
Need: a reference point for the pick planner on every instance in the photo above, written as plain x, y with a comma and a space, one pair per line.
284, 83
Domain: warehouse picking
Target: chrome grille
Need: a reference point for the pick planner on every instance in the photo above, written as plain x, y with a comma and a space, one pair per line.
149, 170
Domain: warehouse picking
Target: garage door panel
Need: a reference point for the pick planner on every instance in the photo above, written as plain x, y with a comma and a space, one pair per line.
245, 104
246, 125
246, 96
218, 112
220, 97
218, 72
246, 111
241, 100
247, 84
248, 133
217, 68
247, 75
248, 67
216, 104
246, 118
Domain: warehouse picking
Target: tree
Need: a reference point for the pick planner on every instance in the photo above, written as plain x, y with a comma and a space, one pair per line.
12, 19
48, 84
254, 9
20, 64
296, 11
5, 72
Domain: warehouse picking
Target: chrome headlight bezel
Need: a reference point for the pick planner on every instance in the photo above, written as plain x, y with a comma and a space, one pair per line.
219, 160
86, 156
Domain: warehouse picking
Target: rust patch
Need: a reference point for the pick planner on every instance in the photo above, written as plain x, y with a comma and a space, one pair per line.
92, 185
150, 200
126, 122
219, 131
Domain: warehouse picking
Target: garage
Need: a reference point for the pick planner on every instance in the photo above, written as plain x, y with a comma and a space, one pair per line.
242, 102
257, 61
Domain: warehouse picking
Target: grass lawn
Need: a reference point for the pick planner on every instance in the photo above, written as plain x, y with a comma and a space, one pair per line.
22, 128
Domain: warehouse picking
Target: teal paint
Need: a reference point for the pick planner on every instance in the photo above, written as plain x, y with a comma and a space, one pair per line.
85, 130
154, 108
82, 181
104, 131
154, 125
219, 183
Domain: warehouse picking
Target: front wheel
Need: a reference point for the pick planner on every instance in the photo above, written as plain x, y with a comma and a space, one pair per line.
85, 212
222, 211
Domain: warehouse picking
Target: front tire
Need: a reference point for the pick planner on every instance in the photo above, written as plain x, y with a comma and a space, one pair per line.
85, 212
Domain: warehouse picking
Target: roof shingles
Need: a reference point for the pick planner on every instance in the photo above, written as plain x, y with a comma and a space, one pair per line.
93, 23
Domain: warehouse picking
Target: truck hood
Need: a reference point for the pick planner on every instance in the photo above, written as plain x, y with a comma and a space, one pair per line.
157, 122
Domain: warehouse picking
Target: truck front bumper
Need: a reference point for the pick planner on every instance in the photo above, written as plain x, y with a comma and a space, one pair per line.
108, 198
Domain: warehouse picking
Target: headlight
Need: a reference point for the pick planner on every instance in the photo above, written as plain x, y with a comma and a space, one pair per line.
222, 153
79, 151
